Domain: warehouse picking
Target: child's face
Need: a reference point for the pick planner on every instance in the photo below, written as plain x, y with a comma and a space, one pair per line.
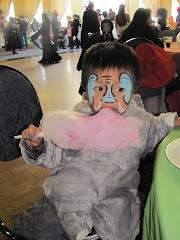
110, 88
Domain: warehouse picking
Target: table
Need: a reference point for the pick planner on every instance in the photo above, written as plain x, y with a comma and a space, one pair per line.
173, 48
162, 210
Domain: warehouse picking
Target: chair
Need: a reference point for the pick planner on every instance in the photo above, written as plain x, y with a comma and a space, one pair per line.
157, 70
19, 107
176, 59
167, 33
134, 42
172, 94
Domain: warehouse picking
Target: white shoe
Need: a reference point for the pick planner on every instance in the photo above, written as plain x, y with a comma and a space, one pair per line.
92, 237
85, 235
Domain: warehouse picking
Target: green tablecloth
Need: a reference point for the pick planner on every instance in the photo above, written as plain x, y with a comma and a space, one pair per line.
162, 211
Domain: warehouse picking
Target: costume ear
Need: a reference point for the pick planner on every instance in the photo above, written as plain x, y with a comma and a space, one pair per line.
126, 83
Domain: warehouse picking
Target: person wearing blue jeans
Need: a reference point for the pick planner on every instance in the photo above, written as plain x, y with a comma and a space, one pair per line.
23, 25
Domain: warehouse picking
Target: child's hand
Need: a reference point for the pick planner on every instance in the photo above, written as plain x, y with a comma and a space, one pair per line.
30, 138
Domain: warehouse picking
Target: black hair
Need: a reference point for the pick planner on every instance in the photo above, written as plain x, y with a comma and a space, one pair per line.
162, 13
120, 17
105, 14
91, 5
110, 55
140, 17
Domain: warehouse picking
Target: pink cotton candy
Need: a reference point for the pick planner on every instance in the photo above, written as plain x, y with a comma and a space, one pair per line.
106, 131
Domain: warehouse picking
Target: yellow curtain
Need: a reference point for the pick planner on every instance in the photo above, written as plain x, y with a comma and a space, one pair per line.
76, 7
153, 5
46, 4
60, 6
27, 8
132, 6
167, 5
5, 6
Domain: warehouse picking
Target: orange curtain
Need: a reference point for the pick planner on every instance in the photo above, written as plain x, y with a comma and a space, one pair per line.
27, 8
5, 6
178, 1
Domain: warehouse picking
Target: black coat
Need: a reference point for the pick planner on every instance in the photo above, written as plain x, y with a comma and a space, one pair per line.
49, 52
13, 37
75, 25
90, 25
107, 27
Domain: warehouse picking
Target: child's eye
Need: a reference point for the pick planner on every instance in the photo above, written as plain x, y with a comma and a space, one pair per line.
119, 89
99, 89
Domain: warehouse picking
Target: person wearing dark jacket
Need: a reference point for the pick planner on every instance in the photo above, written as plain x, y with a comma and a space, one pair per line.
140, 27
74, 30
90, 23
13, 39
107, 28
23, 27
162, 15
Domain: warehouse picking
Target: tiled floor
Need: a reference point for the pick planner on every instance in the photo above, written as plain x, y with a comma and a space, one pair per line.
56, 84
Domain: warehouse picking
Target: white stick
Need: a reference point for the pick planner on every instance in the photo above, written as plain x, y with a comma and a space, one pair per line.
41, 134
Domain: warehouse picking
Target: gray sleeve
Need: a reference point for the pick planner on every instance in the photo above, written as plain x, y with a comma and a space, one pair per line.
159, 128
49, 156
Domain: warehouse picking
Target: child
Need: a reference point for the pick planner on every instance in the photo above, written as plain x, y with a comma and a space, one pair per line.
99, 189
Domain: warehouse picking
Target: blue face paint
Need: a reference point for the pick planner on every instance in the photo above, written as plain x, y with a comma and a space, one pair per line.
125, 82
91, 84
108, 97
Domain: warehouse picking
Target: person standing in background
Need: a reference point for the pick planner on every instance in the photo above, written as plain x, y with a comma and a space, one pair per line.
107, 27
75, 28
69, 31
178, 16
111, 15
90, 23
23, 27
12, 36
3, 25
49, 53
122, 20
62, 33
162, 15
55, 29
35, 26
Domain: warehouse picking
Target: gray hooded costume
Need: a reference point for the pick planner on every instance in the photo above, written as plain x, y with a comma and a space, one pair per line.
99, 189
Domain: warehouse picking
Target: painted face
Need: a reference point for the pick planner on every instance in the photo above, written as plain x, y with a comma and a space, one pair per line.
110, 89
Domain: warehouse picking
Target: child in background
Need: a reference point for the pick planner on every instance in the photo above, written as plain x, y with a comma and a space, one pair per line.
69, 32
96, 189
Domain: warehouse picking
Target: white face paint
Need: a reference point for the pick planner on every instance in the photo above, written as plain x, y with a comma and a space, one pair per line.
110, 88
